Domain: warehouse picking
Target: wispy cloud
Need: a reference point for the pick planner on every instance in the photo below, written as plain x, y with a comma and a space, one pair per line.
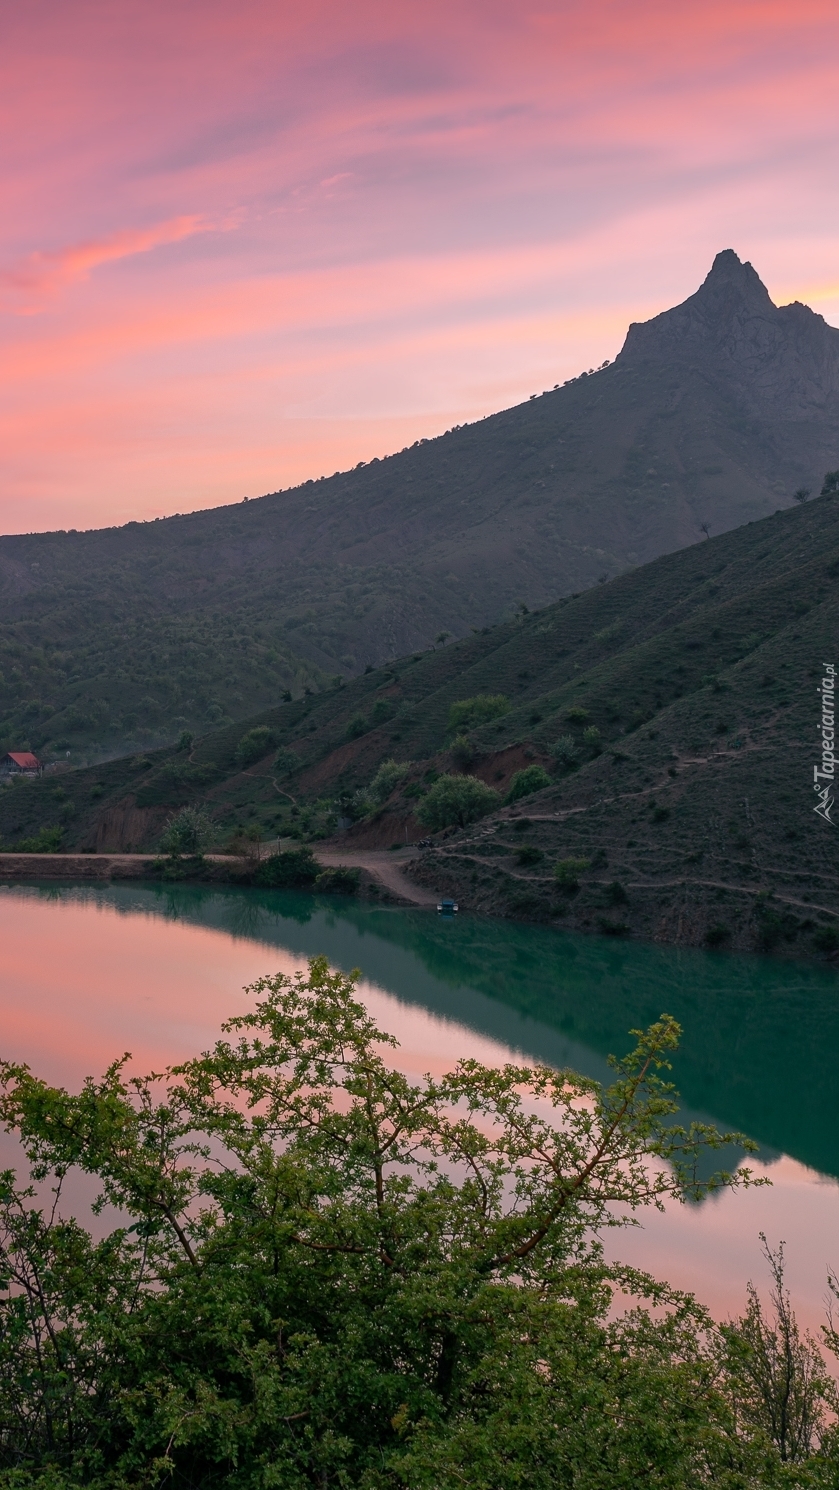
37, 278
439, 209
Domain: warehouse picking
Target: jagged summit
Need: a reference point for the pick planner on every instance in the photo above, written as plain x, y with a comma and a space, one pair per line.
729, 273
779, 355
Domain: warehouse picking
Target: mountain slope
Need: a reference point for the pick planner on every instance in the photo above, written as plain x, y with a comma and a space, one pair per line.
713, 413
692, 806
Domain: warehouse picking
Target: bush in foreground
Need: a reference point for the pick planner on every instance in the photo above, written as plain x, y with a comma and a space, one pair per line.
326, 1275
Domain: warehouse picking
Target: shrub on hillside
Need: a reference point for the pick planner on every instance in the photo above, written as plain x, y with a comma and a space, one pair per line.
567, 873
524, 783
615, 894
591, 739
462, 752
529, 855
357, 727
566, 752
254, 745
388, 776
285, 761
456, 801
469, 713
382, 710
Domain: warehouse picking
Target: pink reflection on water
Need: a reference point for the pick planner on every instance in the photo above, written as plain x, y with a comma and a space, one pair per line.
81, 982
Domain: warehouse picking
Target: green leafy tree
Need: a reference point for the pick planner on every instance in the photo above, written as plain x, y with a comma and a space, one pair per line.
456, 801
387, 778
286, 761
254, 745
524, 783
462, 752
189, 832
566, 751
327, 1275
470, 713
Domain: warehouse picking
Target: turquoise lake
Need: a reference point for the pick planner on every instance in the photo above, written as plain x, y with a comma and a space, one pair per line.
89, 972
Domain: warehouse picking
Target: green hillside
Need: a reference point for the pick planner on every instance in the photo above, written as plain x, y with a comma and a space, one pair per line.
713, 413
675, 709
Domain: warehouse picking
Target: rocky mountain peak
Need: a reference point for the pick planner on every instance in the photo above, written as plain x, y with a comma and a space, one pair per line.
730, 326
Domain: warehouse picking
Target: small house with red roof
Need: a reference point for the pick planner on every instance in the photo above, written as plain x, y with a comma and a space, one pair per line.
20, 763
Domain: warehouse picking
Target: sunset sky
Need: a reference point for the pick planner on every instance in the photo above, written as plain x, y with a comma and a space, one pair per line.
244, 244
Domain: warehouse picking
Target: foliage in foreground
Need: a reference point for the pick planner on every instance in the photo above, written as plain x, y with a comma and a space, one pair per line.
328, 1276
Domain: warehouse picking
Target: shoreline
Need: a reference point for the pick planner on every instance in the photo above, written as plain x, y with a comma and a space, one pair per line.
383, 881
380, 868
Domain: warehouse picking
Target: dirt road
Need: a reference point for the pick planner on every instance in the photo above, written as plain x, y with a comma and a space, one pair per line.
385, 866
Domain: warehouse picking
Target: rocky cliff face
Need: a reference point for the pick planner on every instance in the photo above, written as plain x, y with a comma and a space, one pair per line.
781, 356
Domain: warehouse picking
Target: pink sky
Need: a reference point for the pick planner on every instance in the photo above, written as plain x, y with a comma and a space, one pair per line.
244, 245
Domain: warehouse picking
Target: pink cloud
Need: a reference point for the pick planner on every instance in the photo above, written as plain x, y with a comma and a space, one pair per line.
43, 274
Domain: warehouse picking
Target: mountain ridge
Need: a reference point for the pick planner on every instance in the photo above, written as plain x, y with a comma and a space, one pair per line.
713, 413
688, 815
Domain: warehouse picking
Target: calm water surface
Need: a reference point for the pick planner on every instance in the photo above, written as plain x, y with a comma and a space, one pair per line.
89, 972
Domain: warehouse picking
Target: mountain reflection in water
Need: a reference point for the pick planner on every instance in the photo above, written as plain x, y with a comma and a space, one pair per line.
760, 1041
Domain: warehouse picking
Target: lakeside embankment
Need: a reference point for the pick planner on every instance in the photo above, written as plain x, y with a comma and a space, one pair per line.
380, 873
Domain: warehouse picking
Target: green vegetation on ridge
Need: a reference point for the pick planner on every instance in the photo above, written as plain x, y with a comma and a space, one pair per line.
674, 710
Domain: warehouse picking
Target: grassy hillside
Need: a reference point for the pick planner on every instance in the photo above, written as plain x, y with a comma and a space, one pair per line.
675, 709
713, 413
